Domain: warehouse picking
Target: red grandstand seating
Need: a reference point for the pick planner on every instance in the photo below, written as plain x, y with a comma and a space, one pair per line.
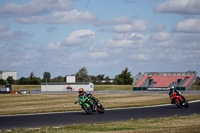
165, 81
141, 81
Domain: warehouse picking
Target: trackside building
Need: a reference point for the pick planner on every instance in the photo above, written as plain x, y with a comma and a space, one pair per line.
4, 74
70, 85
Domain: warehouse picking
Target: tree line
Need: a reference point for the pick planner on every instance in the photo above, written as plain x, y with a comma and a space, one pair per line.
124, 78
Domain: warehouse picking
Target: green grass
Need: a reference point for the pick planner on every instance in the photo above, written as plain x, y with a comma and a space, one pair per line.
183, 124
113, 87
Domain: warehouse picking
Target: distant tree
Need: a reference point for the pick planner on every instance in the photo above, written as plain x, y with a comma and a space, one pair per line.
46, 77
197, 81
119, 80
137, 78
59, 79
107, 79
94, 79
82, 75
33, 80
10, 80
2, 82
100, 77
191, 71
124, 78
23, 81
36, 80
64, 79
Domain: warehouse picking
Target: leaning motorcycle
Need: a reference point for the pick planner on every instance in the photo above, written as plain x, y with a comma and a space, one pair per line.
177, 99
90, 105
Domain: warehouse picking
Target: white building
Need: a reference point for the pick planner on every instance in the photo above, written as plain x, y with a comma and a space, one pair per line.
4, 74
70, 85
87, 86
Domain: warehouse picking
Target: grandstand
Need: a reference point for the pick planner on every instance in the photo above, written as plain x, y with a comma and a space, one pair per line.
163, 80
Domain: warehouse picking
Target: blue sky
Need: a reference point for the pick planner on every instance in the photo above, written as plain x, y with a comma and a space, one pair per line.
105, 36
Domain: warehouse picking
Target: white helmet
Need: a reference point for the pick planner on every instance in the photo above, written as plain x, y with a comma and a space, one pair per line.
172, 88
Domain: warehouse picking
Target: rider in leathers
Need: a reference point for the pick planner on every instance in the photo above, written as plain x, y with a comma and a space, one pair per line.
172, 90
82, 93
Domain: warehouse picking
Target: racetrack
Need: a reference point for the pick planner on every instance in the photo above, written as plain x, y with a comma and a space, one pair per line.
67, 118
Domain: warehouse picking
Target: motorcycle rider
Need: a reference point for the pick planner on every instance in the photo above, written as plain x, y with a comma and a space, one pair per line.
82, 93
172, 90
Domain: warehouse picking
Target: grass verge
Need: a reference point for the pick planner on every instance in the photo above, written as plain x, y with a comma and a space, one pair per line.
183, 124
96, 87
113, 87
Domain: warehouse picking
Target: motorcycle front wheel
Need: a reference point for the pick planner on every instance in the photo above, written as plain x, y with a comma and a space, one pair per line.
100, 108
87, 109
186, 104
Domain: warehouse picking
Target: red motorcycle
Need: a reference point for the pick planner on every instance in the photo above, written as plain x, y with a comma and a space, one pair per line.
179, 100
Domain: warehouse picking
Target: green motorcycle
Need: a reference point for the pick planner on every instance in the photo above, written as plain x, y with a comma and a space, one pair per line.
90, 105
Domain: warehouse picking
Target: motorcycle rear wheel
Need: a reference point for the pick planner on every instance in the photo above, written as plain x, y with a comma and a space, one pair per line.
178, 103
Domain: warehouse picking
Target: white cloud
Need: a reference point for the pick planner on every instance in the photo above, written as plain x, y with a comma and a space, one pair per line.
7, 34
179, 6
122, 28
124, 24
53, 46
158, 28
75, 38
119, 36
67, 17
141, 56
136, 37
161, 36
117, 21
46, 11
34, 8
117, 43
140, 25
96, 55
80, 37
30, 19
72, 17
189, 25
124, 41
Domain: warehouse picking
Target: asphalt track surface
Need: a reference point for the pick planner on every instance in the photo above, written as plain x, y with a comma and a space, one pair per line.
68, 118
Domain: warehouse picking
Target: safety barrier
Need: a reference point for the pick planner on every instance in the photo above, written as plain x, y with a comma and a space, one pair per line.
156, 89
